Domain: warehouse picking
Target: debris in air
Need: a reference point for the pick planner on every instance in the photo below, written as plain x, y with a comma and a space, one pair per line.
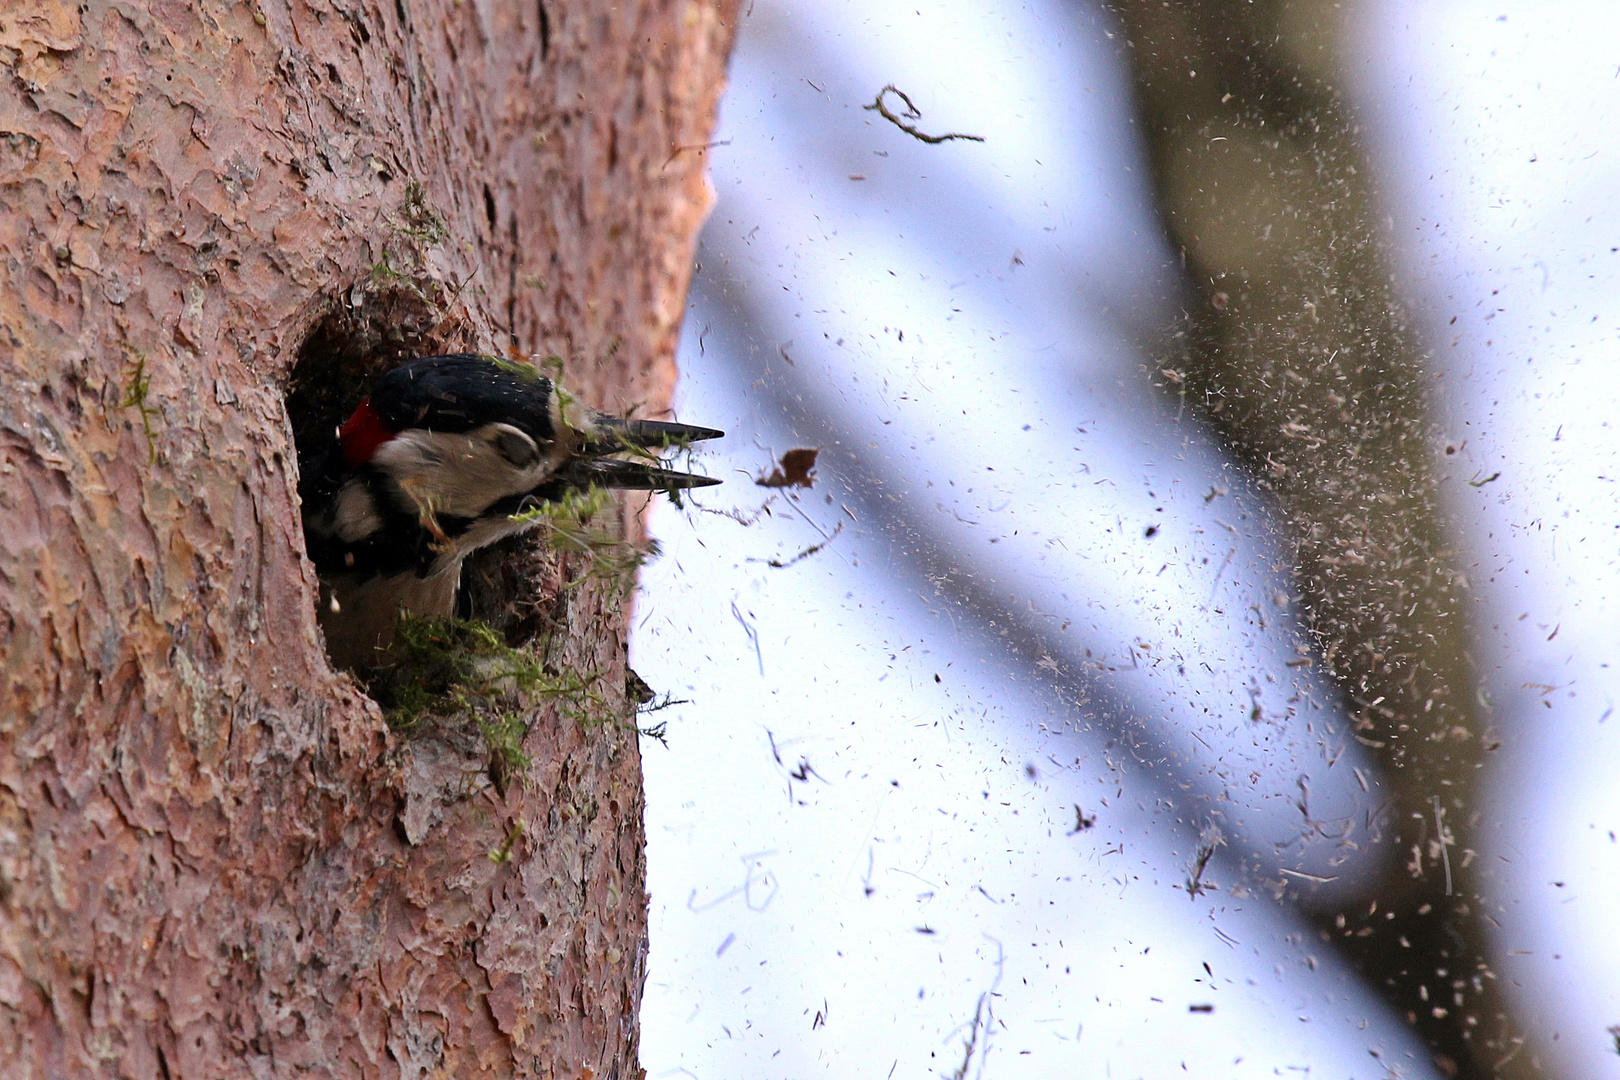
783, 564
1209, 838
795, 470
902, 121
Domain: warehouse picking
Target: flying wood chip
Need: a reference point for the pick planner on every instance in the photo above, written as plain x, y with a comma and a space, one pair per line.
794, 471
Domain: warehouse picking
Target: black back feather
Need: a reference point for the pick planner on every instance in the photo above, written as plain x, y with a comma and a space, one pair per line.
463, 391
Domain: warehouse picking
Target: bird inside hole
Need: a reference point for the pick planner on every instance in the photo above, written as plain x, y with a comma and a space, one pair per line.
444, 457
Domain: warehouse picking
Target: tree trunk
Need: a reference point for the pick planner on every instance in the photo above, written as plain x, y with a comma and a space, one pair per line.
216, 859
1300, 356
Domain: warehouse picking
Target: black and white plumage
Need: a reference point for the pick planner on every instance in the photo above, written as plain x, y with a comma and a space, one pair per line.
437, 463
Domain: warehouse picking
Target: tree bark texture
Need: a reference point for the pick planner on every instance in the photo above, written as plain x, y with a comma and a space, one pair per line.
216, 859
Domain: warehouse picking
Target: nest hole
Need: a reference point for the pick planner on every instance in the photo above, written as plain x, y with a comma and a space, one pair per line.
364, 332
367, 330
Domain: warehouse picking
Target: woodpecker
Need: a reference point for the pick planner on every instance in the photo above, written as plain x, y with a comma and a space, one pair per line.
440, 460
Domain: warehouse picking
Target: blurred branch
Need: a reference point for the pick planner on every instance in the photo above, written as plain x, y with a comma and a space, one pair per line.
1298, 352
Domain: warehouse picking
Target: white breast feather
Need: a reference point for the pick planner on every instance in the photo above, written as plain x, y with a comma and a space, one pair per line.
460, 475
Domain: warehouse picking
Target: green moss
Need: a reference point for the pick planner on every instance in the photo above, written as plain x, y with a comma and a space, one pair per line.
461, 670
503, 734
418, 219
566, 525
517, 368
383, 272
503, 854
139, 386
444, 667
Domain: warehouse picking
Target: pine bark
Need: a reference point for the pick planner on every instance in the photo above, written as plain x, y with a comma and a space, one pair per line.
216, 859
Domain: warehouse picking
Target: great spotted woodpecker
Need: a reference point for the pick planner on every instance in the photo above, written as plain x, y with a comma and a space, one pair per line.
442, 459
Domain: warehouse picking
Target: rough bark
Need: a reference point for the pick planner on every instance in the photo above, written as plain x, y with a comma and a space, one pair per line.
215, 858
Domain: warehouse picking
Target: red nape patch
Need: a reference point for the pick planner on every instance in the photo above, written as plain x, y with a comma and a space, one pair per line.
362, 433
